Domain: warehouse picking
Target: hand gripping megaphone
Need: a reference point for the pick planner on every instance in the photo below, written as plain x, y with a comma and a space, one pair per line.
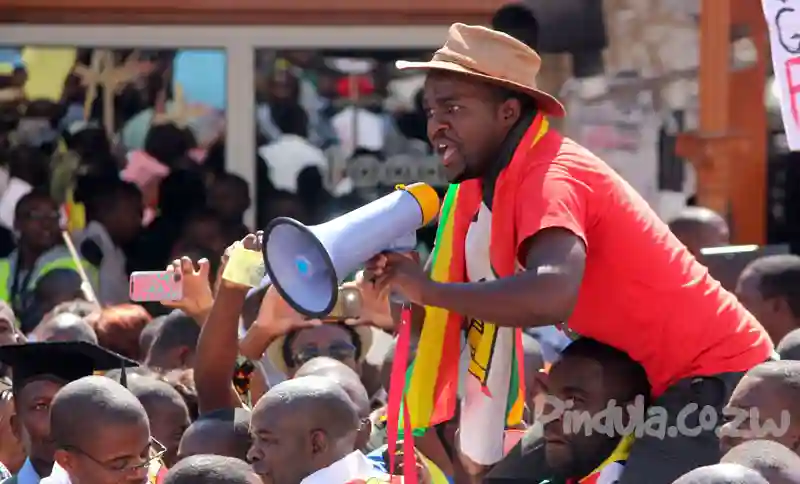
306, 264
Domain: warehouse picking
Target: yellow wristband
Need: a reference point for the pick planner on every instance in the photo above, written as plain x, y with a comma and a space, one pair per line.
245, 267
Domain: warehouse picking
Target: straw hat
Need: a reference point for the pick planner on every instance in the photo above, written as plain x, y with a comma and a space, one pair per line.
493, 57
275, 349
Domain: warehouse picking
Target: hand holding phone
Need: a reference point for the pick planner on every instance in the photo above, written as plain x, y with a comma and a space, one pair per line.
150, 286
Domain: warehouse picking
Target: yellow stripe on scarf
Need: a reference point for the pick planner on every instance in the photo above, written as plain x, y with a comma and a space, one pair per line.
621, 453
429, 351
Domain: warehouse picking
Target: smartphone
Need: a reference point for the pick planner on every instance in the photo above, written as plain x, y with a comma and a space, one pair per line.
155, 286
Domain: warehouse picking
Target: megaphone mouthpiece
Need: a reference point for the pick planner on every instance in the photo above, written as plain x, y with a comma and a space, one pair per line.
306, 264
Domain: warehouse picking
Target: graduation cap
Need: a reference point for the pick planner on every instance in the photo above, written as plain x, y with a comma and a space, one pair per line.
67, 361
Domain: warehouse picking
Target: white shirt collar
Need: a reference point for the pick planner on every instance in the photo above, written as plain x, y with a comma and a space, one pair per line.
27, 474
353, 466
58, 476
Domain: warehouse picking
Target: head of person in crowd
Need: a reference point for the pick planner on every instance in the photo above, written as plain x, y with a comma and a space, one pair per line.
65, 327
118, 328
770, 289
12, 452
101, 433
40, 370
118, 206
211, 469
518, 21
591, 375
722, 474
775, 462
351, 384
301, 426
29, 165
182, 380
79, 307
166, 411
169, 144
36, 225
92, 145
283, 88
699, 228
182, 192
9, 334
55, 287
204, 228
225, 431
174, 344
229, 197
762, 403
148, 335
789, 346
348, 344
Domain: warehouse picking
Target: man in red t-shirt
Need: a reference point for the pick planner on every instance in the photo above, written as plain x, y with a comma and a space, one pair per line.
588, 249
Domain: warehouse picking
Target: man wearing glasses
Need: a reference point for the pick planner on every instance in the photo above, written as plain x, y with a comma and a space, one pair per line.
39, 371
102, 436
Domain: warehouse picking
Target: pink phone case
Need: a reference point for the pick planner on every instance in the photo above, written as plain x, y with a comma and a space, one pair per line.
155, 286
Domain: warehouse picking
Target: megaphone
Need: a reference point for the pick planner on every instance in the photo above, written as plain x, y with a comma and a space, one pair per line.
306, 264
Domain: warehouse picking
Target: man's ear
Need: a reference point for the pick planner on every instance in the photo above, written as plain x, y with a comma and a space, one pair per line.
510, 111
16, 426
319, 442
64, 459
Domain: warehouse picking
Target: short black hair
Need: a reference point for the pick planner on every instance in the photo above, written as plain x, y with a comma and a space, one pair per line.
518, 21
789, 347
87, 404
614, 360
177, 329
37, 194
210, 469
105, 193
168, 143
774, 461
778, 277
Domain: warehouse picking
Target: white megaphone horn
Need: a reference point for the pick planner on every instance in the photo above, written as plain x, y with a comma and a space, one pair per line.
306, 264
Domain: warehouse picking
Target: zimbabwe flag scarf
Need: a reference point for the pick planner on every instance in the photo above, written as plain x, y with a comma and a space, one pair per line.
432, 380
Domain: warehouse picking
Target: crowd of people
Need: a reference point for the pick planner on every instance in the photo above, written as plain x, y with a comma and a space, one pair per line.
557, 263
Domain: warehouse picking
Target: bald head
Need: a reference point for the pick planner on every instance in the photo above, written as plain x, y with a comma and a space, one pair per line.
784, 375
221, 432
66, 327
776, 462
84, 406
312, 402
789, 346
211, 469
343, 375
152, 392
700, 227
722, 474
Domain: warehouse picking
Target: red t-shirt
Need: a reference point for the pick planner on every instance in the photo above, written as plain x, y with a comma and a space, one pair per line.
642, 291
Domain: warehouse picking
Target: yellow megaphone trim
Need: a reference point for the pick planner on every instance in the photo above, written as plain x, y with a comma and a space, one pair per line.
426, 197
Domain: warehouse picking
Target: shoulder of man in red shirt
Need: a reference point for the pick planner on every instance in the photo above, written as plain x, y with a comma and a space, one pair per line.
642, 291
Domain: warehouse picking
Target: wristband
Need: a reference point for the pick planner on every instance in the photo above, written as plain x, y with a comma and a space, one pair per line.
245, 267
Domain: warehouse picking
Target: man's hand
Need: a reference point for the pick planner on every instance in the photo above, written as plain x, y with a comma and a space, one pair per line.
423, 473
250, 242
197, 296
399, 272
375, 308
275, 319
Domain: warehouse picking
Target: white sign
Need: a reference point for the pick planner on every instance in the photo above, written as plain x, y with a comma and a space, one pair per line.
783, 19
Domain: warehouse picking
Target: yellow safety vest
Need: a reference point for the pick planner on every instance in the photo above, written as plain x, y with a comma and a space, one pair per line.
61, 263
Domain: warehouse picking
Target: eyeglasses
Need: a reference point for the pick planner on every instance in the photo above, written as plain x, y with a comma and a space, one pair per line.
337, 351
156, 448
